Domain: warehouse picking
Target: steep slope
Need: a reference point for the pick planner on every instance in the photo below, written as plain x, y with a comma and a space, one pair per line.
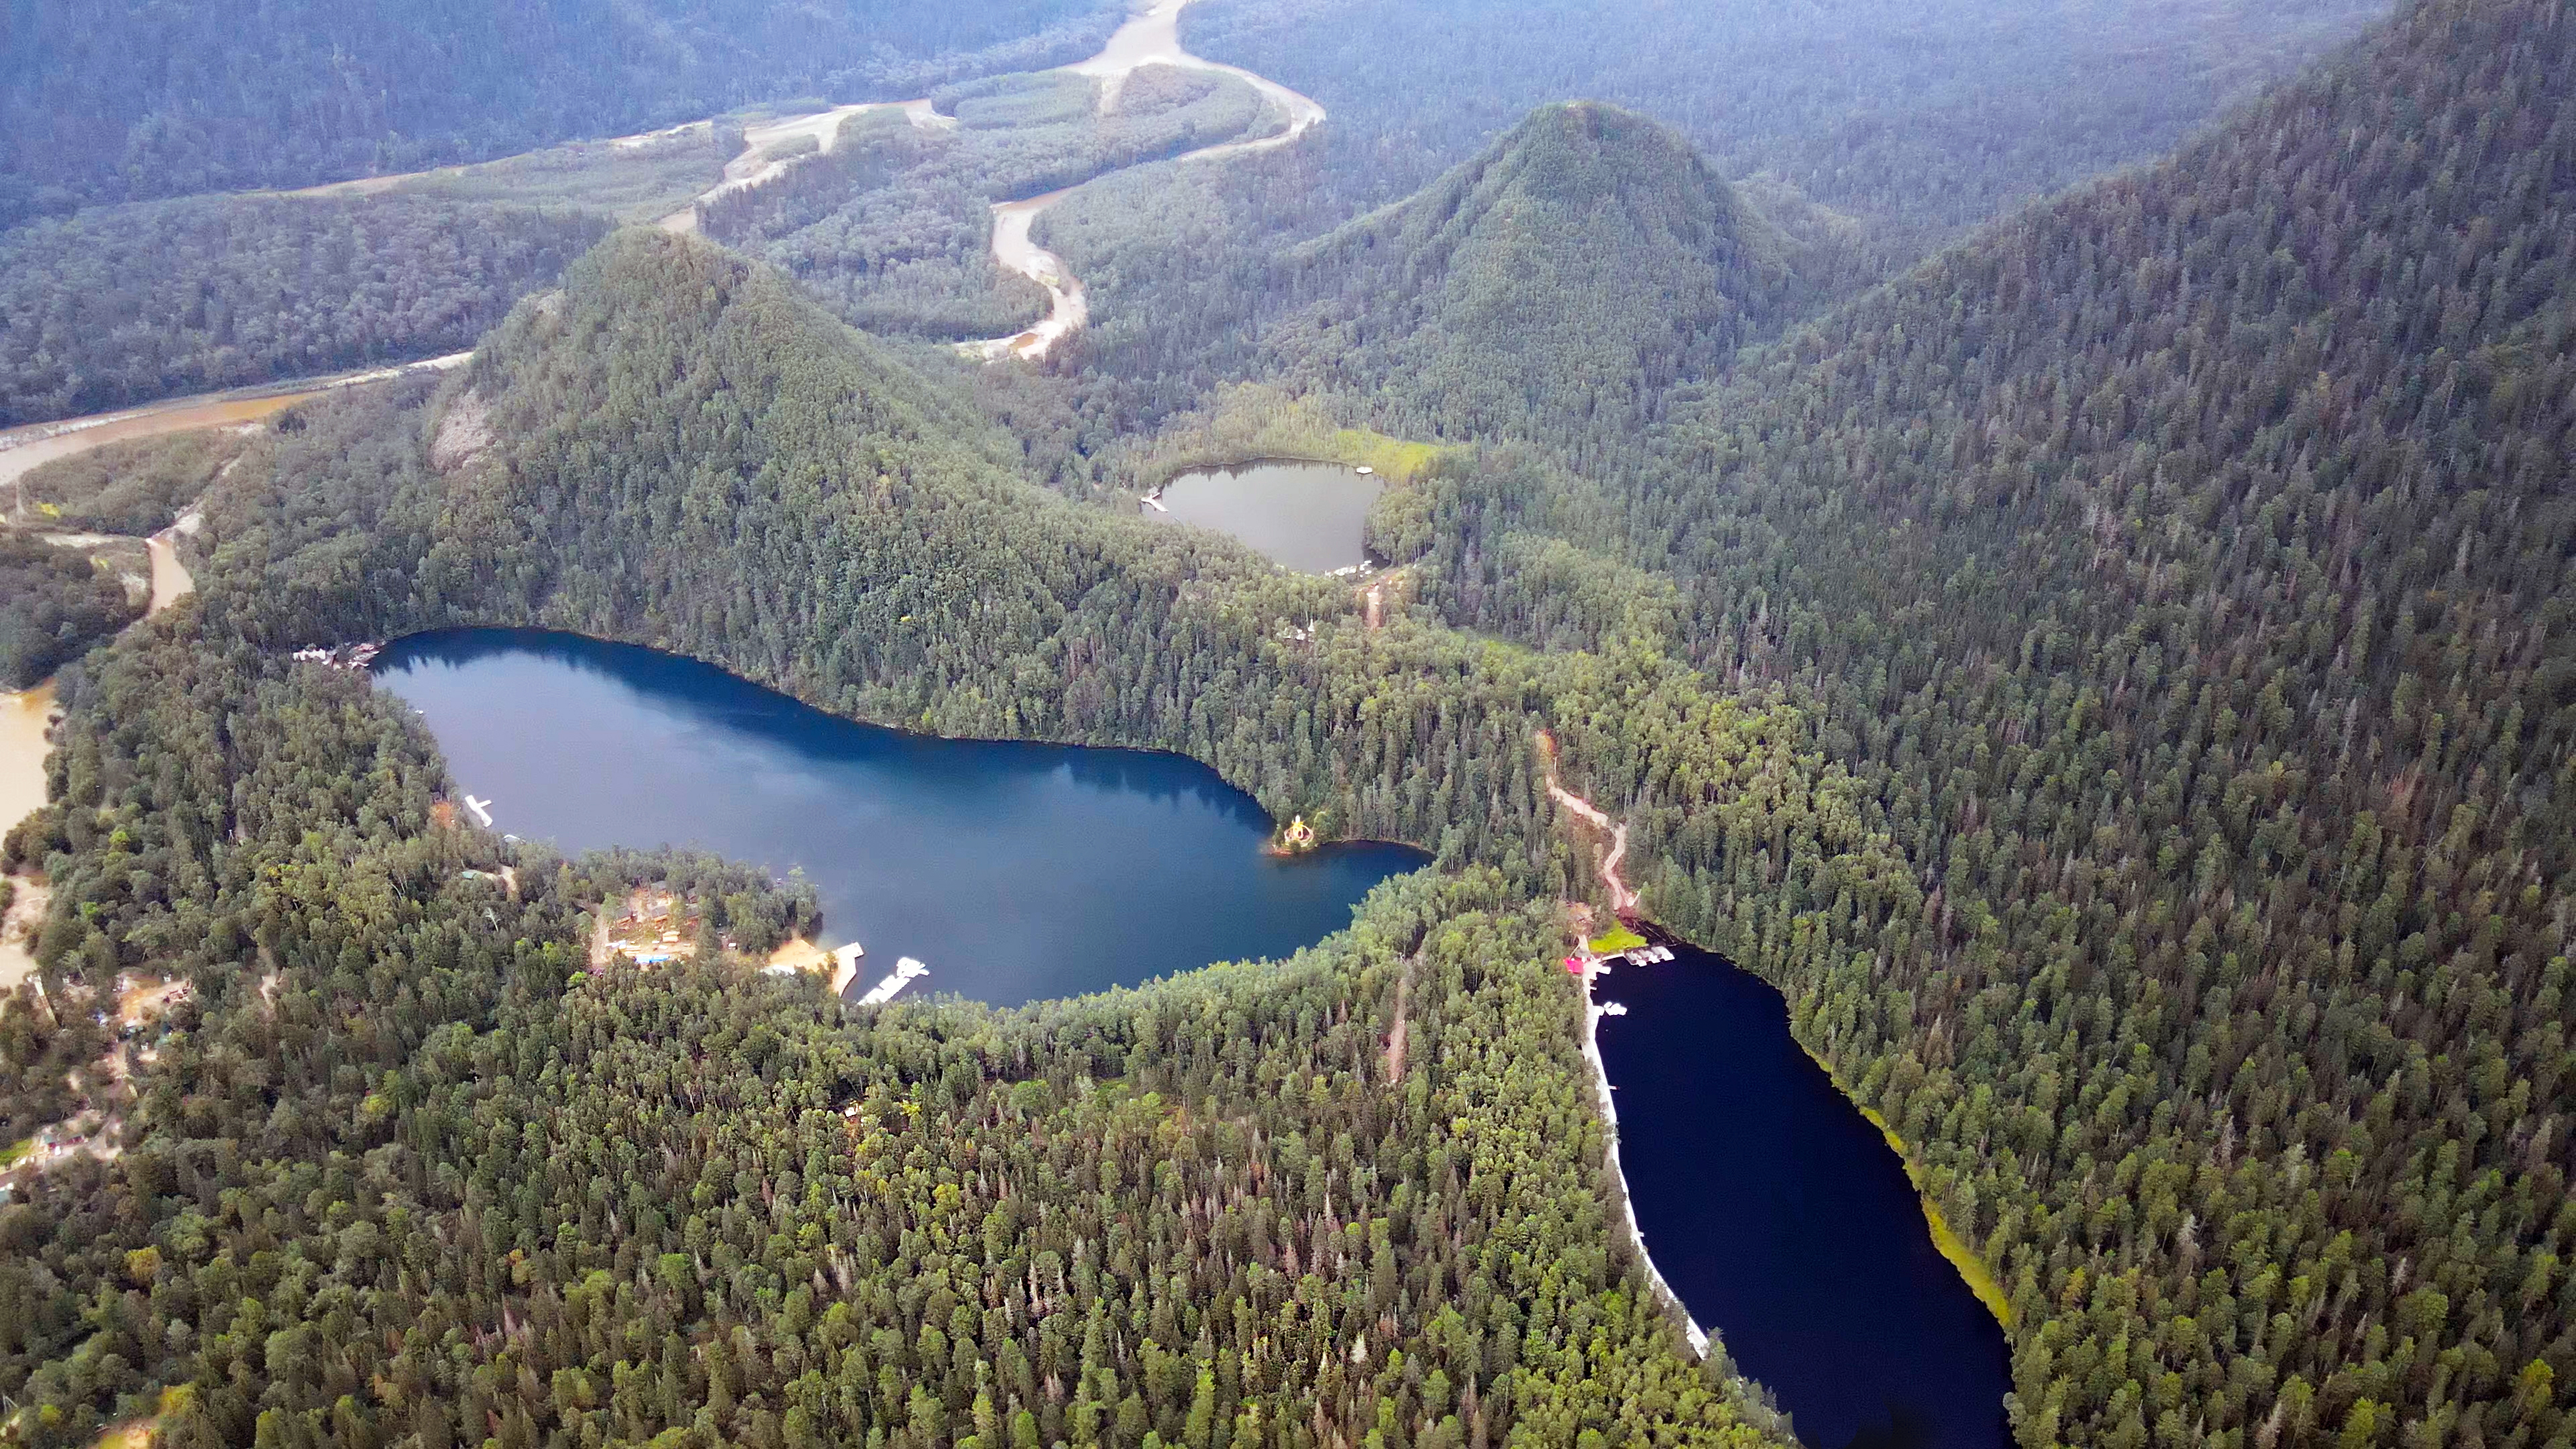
1558, 281
2182, 570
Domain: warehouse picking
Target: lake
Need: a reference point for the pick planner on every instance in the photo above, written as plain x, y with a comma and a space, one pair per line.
1311, 517
1017, 871
1021, 872
1784, 1221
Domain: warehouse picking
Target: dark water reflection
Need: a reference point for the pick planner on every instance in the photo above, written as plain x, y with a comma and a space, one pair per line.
1017, 871
1786, 1224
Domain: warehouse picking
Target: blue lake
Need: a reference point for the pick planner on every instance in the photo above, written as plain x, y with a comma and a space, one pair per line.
1784, 1222
1021, 872
1017, 871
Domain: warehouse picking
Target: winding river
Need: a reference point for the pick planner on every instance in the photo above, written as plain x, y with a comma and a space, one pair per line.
1151, 37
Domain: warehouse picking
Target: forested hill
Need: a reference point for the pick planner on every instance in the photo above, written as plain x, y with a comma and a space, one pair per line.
1565, 277
127, 101
406, 1180
2184, 570
1916, 119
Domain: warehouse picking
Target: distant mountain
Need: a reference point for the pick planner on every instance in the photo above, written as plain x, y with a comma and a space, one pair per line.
1919, 119
1561, 279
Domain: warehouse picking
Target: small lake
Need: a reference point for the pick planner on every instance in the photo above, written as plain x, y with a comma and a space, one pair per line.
1311, 517
1785, 1222
1017, 871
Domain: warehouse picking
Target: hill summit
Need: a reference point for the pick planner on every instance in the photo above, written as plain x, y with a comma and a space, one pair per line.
1575, 268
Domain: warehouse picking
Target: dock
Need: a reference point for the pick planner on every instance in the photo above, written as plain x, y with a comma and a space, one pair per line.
906, 971
482, 810
845, 966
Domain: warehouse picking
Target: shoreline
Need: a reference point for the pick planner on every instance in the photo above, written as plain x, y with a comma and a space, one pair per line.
29, 446
1592, 1014
1972, 1268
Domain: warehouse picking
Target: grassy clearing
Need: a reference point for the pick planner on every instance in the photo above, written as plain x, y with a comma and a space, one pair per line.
1255, 420
1617, 939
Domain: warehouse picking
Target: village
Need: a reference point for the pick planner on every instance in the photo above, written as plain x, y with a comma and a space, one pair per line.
655, 927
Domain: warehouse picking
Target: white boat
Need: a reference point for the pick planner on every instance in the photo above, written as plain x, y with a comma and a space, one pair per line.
905, 972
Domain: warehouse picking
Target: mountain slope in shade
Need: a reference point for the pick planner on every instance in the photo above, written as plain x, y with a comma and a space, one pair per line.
1574, 269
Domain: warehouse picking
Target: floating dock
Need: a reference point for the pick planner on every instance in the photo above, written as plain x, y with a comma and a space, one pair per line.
906, 971
482, 810
845, 966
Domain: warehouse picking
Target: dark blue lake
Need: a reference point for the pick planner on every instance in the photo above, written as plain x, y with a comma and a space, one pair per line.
1784, 1221
1017, 871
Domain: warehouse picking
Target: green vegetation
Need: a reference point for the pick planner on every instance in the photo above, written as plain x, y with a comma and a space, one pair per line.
54, 604
2179, 575
2116, 679
176, 836
1617, 939
135, 488
1919, 119
42, 1052
117, 307
892, 228
1259, 420
701, 1205
134, 102
1574, 270
633, 182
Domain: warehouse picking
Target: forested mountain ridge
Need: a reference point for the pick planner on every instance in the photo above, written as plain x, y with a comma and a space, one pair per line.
2181, 569
1571, 273
1917, 120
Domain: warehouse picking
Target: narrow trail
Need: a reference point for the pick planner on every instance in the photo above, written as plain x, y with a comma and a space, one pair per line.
1398, 1034
1151, 37
1623, 900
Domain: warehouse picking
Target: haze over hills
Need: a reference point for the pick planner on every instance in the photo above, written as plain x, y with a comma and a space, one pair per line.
2115, 678
127, 101
1571, 272
1921, 119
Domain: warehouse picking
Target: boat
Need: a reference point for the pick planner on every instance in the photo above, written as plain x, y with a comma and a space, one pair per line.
906, 971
